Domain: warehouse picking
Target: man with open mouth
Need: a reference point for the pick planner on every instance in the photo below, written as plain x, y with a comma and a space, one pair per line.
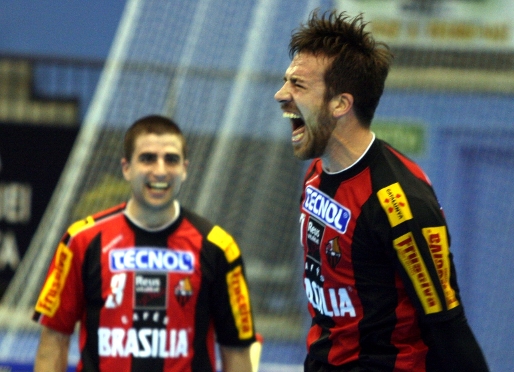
378, 272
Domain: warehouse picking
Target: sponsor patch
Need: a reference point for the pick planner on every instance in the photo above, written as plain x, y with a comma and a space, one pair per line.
437, 240
314, 235
326, 209
240, 302
222, 239
151, 259
411, 259
50, 297
150, 290
394, 202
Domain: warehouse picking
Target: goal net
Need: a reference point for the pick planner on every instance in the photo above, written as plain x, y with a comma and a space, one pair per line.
214, 67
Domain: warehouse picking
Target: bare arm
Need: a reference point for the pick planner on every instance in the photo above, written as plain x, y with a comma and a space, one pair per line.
235, 359
52, 353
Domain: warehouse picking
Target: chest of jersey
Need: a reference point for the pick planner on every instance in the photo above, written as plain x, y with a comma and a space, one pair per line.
144, 289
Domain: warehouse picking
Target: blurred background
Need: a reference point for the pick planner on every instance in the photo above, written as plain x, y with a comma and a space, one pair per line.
74, 75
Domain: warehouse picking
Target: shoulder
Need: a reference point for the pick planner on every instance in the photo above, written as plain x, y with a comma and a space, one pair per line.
400, 165
200, 223
392, 171
315, 168
94, 221
214, 235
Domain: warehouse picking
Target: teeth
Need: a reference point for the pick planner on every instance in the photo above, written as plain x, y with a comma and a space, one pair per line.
291, 115
159, 185
297, 137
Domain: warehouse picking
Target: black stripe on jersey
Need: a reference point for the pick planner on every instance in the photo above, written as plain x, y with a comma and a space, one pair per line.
92, 281
145, 238
373, 268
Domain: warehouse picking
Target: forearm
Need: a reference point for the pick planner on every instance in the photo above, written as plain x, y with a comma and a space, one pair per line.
235, 359
454, 347
52, 353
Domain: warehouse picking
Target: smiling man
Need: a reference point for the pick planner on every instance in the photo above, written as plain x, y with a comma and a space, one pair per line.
153, 285
378, 272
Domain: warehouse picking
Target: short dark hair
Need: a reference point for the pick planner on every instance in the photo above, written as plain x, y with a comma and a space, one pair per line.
151, 124
359, 64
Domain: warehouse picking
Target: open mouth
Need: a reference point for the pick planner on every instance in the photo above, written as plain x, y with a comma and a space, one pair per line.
297, 124
159, 186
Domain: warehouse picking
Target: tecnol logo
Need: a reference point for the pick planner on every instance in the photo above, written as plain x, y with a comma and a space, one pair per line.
326, 209
151, 259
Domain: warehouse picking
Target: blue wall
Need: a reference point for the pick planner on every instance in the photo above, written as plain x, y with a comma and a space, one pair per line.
69, 28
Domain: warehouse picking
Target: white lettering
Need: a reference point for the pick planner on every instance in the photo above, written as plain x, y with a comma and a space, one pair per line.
132, 345
115, 298
116, 342
324, 308
104, 347
181, 349
340, 302
151, 259
326, 209
143, 338
142, 281
345, 303
155, 342
333, 301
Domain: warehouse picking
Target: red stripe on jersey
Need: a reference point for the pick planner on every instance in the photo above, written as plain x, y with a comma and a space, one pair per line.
406, 335
413, 167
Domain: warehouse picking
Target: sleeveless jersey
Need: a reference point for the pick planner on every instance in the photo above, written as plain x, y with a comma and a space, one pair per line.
147, 300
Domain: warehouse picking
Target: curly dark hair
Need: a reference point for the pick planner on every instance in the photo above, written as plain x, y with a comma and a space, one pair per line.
359, 64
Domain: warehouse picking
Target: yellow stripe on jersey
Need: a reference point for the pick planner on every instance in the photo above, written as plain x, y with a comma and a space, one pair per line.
50, 297
437, 240
78, 226
240, 303
395, 204
411, 259
223, 240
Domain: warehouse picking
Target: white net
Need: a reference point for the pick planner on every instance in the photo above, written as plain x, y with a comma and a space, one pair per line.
214, 66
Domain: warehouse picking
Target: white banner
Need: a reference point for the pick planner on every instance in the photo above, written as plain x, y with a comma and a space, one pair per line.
438, 24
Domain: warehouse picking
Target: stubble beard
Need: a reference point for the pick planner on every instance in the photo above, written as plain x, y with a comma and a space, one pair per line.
319, 135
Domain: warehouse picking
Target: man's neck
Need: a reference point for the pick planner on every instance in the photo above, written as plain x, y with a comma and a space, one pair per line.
345, 148
152, 221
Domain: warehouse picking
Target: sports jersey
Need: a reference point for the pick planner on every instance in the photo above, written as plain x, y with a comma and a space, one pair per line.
147, 300
377, 263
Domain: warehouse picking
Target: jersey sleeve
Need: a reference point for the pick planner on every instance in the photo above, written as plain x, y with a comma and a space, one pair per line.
232, 312
421, 247
60, 303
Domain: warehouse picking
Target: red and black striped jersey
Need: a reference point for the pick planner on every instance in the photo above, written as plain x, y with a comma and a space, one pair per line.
377, 263
147, 300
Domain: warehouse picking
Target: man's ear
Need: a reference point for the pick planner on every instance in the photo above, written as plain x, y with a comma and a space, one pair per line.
125, 165
340, 105
186, 166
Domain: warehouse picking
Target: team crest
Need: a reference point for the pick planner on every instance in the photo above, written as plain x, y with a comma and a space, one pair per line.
333, 252
183, 291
